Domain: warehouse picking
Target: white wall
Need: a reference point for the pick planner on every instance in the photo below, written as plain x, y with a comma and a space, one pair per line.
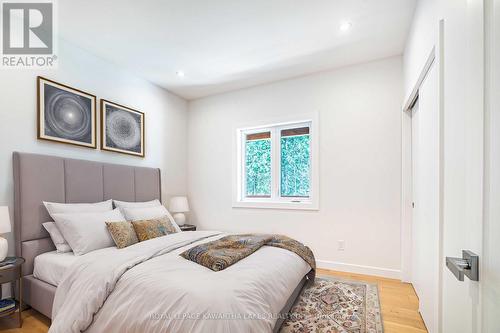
421, 39
166, 119
360, 163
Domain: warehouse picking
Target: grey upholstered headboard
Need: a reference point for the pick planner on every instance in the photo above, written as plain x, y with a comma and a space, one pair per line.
40, 178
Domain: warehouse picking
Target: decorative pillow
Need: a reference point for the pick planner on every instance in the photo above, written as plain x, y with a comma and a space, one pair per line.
123, 233
86, 232
148, 213
57, 238
149, 229
63, 208
126, 204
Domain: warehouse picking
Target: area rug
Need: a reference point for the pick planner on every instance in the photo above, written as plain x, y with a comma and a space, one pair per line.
332, 305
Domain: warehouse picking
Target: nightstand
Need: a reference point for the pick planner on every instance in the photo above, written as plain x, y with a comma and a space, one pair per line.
188, 227
11, 273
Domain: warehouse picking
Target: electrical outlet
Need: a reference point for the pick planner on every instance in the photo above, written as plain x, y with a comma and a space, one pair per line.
341, 245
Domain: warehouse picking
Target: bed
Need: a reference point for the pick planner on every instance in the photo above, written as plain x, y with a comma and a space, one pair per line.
265, 283
51, 266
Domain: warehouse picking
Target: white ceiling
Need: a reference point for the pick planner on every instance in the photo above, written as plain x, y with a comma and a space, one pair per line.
223, 45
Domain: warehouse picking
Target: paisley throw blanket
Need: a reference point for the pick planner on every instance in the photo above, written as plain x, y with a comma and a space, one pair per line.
222, 253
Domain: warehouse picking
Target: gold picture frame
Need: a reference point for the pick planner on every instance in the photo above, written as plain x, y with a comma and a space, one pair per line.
122, 129
66, 114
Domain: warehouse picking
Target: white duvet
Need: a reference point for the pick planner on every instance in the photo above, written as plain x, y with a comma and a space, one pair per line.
148, 287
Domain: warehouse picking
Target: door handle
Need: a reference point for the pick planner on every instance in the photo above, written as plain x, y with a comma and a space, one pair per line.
468, 265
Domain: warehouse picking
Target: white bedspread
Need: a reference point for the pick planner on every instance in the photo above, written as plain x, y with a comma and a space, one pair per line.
148, 287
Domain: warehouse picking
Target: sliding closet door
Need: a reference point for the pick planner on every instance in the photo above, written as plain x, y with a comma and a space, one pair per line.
425, 188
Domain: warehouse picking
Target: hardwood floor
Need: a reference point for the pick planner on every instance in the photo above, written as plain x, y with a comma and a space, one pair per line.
33, 322
398, 301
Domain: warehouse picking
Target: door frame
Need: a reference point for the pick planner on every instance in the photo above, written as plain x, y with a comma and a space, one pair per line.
435, 58
490, 292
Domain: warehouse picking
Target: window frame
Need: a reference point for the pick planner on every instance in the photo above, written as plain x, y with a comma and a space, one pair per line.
275, 201
244, 133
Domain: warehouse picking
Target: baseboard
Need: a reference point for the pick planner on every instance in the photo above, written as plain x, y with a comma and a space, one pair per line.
359, 269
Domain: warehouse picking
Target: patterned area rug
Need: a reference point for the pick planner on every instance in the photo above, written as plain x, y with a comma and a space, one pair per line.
336, 306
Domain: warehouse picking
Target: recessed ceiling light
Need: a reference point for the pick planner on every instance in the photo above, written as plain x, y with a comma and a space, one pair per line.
345, 26
180, 73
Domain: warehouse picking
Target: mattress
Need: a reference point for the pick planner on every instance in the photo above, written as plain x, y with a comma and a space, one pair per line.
122, 290
51, 266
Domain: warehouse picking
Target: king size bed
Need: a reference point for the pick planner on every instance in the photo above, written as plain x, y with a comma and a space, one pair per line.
147, 287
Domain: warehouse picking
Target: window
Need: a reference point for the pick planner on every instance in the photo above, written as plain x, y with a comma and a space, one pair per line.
258, 165
295, 166
276, 166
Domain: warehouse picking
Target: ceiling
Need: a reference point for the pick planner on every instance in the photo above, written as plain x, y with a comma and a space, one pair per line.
223, 45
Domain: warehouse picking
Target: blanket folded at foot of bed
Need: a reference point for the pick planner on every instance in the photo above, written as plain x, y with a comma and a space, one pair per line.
222, 253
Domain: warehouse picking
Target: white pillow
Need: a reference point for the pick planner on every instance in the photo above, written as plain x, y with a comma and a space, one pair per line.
57, 238
126, 204
63, 208
148, 213
86, 232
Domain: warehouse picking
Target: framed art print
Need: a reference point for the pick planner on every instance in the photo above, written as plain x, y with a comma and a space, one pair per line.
122, 129
66, 114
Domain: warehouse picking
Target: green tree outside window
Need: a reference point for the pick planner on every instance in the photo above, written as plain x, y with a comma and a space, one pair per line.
258, 167
295, 166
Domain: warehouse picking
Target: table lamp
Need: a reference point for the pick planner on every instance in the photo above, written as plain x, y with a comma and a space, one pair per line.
4, 228
179, 206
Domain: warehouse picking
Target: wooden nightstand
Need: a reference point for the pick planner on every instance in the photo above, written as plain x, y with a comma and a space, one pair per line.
188, 227
11, 273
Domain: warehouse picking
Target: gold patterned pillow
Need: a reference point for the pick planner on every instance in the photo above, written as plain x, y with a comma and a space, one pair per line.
149, 229
123, 233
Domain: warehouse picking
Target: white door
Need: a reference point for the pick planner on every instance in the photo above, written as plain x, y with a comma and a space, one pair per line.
425, 188
463, 74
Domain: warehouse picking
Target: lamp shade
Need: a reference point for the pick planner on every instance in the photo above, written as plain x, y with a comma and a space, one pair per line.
179, 205
4, 220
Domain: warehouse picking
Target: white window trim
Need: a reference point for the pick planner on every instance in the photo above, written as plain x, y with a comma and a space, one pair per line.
275, 202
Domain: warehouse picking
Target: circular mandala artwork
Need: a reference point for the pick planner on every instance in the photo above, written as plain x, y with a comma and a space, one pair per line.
67, 116
123, 129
